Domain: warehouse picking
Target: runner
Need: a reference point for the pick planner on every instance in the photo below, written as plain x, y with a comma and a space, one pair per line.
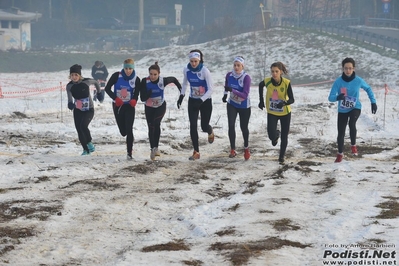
200, 102
79, 100
238, 83
126, 92
346, 90
152, 93
279, 97
99, 72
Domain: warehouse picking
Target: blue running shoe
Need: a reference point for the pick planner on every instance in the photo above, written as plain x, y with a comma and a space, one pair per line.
91, 147
85, 152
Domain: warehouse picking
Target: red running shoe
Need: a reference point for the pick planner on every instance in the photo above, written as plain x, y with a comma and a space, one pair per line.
354, 150
195, 156
247, 154
232, 154
339, 157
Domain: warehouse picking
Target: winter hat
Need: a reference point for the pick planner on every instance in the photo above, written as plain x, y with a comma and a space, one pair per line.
98, 63
76, 69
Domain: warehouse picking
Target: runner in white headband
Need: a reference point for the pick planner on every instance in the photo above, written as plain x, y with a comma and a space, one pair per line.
194, 55
239, 59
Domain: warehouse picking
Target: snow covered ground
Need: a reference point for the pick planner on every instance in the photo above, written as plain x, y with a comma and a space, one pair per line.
60, 208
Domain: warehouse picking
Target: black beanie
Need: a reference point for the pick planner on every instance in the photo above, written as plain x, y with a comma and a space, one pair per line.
76, 69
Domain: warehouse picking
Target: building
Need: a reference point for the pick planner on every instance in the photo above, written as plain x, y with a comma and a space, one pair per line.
15, 29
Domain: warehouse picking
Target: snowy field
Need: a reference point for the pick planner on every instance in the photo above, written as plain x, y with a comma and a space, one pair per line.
60, 208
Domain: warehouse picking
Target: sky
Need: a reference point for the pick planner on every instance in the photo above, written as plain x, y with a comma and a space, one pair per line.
60, 208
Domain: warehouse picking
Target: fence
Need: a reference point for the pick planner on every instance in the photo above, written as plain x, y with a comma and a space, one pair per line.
343, 28
382, 22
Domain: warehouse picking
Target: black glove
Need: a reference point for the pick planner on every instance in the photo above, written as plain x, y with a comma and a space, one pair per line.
180, 100
224, 99
373, 108
227, 88
341, 97
71, 106
281, 104
100, 96
261, 104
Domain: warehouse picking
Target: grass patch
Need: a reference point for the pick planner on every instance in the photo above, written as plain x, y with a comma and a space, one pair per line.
226, 232
170, 246
284, 225
325, 185
390, 208
240, 253
252, 187
29, 209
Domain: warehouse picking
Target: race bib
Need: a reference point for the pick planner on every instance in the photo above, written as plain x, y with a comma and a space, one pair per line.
349, 102
198, 92
154, 102
236, 98
83, 104
273, 105
124, 94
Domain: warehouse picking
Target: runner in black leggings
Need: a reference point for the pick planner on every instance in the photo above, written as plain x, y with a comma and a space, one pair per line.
152, 92
346, 91
198, 77
126, 92
238, 83
79, 100
279, 97
343, 118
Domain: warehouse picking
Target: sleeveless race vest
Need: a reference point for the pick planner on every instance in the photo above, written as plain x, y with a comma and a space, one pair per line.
197, 84
157, 96
276, 94
124, 89
237, 84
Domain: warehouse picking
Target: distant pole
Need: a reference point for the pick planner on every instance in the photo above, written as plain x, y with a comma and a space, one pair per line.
61, 102
204, 14
264, 29
385, 100
50, 9
141, 22
299, 2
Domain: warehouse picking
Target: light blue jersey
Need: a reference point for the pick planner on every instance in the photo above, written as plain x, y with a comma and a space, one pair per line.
352, 91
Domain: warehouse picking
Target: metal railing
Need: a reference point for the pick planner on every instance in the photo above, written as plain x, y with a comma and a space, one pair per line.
345, 28
383, 22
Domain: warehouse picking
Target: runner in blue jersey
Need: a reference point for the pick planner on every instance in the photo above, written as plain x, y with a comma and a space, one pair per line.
152, 93
199, 78
126, 92
346, 90
79, 100
238, 83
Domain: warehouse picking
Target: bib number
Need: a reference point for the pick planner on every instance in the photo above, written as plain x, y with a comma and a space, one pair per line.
348, 103
154, 102
236, 98
273, 105
124, 94
83, 104
198, 92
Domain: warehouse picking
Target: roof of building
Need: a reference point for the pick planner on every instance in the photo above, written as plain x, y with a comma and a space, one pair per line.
16, 14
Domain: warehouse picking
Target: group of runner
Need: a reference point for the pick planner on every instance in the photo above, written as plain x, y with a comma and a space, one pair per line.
124, 88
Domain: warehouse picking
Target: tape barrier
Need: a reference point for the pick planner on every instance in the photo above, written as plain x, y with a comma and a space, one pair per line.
387, 90
32, 92
26, 93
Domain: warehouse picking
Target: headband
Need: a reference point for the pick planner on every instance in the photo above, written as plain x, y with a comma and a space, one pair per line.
239, 59
128, 66
194, 55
